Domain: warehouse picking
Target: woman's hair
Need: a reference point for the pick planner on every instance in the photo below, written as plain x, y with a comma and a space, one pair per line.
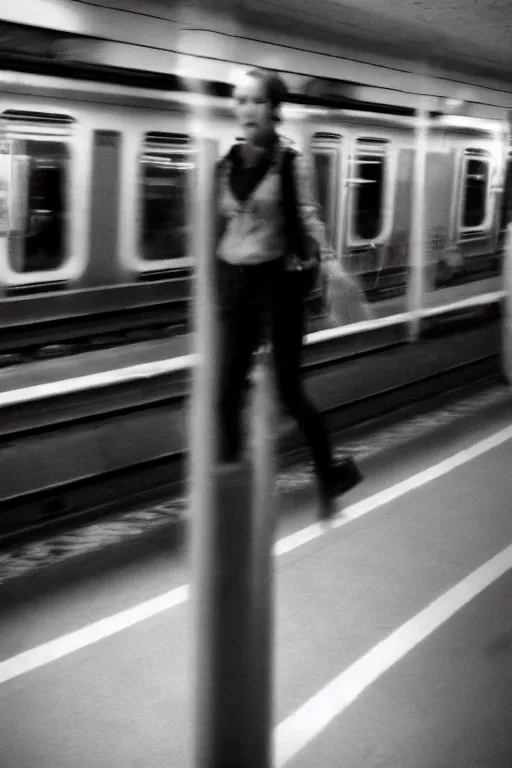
274, 87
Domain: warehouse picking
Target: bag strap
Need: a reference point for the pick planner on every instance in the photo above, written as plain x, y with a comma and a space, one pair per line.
293, 225
222, 170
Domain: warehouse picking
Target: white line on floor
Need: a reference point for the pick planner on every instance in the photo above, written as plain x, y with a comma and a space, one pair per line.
360, 508
93, 633
309, 720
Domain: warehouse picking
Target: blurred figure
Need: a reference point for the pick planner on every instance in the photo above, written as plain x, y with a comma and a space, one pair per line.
270, 248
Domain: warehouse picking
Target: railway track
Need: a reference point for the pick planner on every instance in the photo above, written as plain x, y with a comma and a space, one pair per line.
75, 335
42, 340
108, 448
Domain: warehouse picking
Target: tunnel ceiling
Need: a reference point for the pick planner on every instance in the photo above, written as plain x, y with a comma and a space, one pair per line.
471, 36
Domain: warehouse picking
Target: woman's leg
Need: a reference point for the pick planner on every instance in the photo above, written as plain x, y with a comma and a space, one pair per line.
288, 323
288, 316
239, 320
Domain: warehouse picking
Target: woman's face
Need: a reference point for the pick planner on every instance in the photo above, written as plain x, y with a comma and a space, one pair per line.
252, 108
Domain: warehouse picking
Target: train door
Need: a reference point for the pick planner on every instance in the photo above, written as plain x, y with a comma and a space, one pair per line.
327, 161
473, 222
465, 263
370, 208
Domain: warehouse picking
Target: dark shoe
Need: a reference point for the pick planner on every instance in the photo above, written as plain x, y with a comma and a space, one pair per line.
344, 476
328, 507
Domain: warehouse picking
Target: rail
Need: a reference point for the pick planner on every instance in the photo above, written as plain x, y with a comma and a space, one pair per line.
132, 373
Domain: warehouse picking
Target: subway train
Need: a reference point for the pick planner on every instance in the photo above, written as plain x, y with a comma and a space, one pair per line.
96, 212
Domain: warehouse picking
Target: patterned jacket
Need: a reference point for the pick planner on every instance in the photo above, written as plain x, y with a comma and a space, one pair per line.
252, 231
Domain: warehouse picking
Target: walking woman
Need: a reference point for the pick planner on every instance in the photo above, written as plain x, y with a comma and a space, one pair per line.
270, 242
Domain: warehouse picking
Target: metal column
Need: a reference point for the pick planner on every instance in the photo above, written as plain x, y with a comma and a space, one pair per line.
264, 418
506, 324
416, 285
231, 541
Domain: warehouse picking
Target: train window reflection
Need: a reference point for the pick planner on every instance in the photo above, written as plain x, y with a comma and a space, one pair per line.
164, 215
37, 242
476, 183
325, 164
368, 195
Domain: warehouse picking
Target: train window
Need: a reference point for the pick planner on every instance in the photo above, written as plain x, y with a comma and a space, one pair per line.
166, 167
37, 240
367, 199
24, 118
323, 176
326, 164
475, 195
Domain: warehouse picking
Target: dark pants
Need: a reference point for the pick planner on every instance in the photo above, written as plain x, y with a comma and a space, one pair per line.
256, 303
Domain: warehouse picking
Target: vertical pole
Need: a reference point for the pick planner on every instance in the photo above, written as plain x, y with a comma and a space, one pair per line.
264, 418
221, 529
506, 318
6, 187
507, 307
416, 285
231, 542
202, 447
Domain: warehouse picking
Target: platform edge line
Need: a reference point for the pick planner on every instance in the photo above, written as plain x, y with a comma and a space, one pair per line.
300, 728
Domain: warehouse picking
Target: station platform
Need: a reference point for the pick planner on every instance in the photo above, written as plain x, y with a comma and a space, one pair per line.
393, 628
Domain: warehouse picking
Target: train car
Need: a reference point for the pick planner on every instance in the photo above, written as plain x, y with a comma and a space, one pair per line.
95, 246
99, 216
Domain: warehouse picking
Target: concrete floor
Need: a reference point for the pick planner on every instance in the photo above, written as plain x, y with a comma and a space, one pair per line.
124, 699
